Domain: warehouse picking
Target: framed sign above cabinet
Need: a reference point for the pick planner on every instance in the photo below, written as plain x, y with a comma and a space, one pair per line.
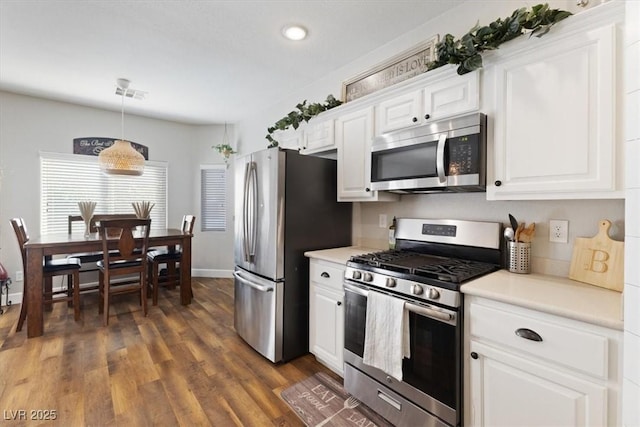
403, 66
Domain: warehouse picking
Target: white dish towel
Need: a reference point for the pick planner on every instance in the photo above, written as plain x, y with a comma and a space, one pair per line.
386, 337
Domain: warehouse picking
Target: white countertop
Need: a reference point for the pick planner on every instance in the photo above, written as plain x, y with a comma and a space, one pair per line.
340, 255
551, 294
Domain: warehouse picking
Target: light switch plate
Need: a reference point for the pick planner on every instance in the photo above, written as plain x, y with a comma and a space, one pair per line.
382, 221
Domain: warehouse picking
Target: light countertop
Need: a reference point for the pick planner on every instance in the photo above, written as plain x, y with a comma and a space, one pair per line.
339, 255
553, 295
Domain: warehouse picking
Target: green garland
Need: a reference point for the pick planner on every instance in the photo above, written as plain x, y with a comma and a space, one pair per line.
304, 113
466, 52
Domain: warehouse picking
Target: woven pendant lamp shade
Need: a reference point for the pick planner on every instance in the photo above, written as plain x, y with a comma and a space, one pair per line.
121, 159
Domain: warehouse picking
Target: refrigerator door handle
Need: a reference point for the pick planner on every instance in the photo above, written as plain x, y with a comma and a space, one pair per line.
245, 214
251, 284
253, 169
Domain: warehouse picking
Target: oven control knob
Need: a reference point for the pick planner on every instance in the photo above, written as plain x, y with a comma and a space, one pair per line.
434, 294
368, 277
356, 275
390, 283
416, 290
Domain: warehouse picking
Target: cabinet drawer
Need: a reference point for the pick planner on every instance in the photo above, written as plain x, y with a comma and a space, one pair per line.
575, 348
327, 274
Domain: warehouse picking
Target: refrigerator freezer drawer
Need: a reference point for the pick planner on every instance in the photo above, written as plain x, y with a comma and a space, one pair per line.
258, 313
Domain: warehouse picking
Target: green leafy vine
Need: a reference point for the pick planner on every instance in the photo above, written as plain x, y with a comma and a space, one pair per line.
466, 52
303, 113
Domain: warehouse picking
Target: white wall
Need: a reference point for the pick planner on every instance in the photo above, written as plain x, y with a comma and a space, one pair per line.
631, 385
29, 125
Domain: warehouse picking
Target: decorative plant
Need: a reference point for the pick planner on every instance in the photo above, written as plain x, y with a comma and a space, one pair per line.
304, 112
225, 149
466, 52
142, 209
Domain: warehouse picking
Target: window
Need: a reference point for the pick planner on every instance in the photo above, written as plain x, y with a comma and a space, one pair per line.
213, 199
67, 179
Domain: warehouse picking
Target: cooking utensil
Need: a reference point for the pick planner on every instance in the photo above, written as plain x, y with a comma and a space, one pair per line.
598, 260
519, 230
509, 234
514, 223
526, 235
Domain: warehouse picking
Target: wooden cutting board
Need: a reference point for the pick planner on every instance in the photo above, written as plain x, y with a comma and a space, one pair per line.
598, 260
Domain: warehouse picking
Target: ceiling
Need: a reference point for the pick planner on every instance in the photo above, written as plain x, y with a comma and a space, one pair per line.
201, 62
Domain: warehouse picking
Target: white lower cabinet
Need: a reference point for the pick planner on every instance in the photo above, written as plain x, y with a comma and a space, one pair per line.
528, 368
326, 313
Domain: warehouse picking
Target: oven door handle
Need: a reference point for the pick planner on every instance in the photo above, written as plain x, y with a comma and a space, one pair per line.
432, 313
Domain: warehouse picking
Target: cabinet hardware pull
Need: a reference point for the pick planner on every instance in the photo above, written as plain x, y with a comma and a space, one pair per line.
427, 116
498, 183
474, 355
528, 334
339, 303
325, 274
367, 189
415, 119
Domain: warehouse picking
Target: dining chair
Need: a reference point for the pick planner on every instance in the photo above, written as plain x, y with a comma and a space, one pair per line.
89, 260
128, 264
50, 267
169, 257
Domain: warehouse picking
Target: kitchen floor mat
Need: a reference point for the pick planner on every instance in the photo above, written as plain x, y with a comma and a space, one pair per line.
321, 401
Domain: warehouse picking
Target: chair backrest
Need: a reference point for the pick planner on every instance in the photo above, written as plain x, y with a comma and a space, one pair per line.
20, 229
131, 235
93, 226
187, 223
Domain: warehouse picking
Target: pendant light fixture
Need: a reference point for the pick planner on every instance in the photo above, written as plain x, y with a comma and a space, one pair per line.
121, 158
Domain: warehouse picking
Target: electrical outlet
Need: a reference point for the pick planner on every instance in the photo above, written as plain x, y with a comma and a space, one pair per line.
558, 231
19, 276
382, 221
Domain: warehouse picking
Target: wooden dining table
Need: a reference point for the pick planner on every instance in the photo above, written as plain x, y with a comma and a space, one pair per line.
57, 244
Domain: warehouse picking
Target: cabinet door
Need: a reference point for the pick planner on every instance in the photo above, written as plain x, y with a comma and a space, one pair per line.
326, 326
452, 96
507, 390
554, 124
354, 132
290, 138
318, 137
399, 112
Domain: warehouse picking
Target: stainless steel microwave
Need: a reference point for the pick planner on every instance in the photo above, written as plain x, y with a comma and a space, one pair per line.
447, 155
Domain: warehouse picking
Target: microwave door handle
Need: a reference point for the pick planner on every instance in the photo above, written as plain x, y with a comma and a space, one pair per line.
245, 214
442, 140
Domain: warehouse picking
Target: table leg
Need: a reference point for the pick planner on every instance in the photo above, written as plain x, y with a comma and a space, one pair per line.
33, 288
185, 272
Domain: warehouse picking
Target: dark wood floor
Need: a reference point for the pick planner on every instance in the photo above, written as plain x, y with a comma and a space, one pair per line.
181, 365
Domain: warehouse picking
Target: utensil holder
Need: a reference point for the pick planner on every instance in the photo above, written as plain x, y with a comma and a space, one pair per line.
519, 257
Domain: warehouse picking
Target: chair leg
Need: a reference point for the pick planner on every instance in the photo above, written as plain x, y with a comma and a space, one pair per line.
23, 311
155, 280
143, 291
105, 307
76, 295
69, 290
100, 292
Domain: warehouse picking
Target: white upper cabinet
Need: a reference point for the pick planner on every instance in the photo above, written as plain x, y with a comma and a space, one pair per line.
452, 96
446, 94
290, 138
318, 136
354, 134
399, 112
556, 133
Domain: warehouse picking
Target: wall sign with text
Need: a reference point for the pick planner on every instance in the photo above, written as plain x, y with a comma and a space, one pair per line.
92, 146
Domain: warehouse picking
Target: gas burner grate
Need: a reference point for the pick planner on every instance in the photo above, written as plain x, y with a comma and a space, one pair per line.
445, 269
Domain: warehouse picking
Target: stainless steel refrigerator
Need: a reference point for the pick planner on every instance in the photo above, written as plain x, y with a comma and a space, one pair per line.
285, 204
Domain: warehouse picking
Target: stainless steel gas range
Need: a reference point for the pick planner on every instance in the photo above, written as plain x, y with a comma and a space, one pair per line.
431, 260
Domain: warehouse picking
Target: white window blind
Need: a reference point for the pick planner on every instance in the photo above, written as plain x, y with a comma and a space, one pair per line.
67, 179
213, 199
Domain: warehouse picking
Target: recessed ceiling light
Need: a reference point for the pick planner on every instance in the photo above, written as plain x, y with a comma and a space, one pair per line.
294, 32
